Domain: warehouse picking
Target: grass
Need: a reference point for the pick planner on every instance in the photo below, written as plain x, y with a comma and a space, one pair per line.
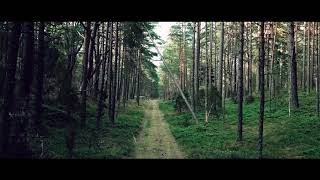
110, 142
293, 137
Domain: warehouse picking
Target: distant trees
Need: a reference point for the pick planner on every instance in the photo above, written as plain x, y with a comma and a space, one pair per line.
235, 56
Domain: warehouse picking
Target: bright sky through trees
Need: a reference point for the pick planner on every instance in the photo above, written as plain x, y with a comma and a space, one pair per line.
163, 30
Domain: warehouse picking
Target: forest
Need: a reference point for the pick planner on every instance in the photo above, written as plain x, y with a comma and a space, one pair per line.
121, 90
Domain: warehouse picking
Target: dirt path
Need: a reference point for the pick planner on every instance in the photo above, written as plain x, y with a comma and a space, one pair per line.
155, 140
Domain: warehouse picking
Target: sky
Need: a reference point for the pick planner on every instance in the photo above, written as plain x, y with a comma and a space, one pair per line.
163, 30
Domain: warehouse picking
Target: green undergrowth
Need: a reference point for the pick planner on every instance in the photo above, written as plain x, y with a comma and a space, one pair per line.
110, 142
297, 136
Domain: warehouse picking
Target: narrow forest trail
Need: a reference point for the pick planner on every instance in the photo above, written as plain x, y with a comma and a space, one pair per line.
155, 140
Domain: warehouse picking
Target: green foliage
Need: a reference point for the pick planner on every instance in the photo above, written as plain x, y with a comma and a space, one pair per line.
214, 99
296, 136
234, 98
135, 38
249, 99
180, 105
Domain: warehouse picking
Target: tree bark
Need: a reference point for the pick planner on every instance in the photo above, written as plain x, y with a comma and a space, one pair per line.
309, 59
221, 63
11, 63
193, 68
303, 79
197, 67
114, 78
318, 76
250, 62
294, 84
234, 91
84, 76
240, 81
102, 87
24, 93
139, 77
39, 77
273, 54
97, 66
26, 79
210, 59
215, 57
91, 48
206, 75
261, 85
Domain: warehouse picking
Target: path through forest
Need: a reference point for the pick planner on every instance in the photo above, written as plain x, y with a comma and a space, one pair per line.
155, 140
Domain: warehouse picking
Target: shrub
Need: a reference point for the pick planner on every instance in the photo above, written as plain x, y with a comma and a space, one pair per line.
249, 99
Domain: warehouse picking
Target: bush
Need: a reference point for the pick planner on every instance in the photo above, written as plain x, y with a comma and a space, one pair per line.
234, 97
214, 99
180, 105
249, 99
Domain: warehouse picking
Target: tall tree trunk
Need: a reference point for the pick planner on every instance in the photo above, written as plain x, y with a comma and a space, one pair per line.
91, 48
39, 82
206, 74
3, 55
197, 67
193, 68
250, 62
261, 85
102, 87
97, 65
294, 84
314, 54
24, 91
318, 76
110, 73
118, 79
84, 76
181, 59
125, 78
303, 79
210, 59
138, 77
121, 89
235, 53
215, 56
273, 54
221, 63
228, 72
26, 79
267, 46
10, 68
114, 78
248, 59
240, 81
309, 59
185, 57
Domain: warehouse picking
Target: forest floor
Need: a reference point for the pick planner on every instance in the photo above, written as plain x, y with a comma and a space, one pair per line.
285, 137
110, 142
156, 141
